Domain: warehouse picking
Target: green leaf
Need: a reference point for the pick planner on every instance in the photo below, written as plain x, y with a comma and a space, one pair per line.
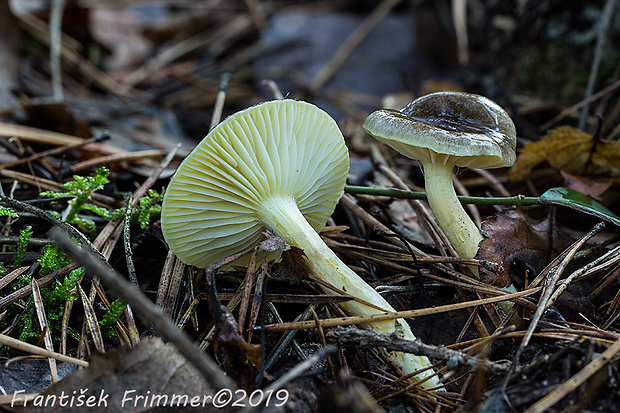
578, 201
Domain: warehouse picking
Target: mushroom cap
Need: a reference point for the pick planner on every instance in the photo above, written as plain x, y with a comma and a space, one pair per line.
448, 127
282, 148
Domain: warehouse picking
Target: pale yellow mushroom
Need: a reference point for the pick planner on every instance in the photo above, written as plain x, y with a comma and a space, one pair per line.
282, 166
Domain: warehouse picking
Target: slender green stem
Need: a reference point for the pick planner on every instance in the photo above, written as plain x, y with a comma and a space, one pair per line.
518, 200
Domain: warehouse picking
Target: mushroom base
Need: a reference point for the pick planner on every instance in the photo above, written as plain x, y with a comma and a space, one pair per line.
283, 217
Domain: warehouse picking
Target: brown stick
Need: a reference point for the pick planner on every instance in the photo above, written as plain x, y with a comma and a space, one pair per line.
142, 305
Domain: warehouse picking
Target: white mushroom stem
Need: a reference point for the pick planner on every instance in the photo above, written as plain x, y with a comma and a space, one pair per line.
283, 217
451, 217
463, 234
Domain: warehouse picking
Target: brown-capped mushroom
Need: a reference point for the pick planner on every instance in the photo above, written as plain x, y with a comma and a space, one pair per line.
443, 130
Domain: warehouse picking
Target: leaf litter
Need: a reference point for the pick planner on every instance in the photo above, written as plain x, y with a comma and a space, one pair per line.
149, 74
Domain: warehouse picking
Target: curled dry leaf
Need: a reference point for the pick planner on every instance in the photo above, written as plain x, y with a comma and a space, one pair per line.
569, 150
586, 186
152, 368
512, 240
293, 267
525, 249
30, 375
240, 359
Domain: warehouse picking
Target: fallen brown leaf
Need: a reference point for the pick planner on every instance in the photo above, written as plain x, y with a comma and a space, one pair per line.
29, 375
570, 150
293, 267
524, 250
240, 359
150, 369
512, 240
589, 187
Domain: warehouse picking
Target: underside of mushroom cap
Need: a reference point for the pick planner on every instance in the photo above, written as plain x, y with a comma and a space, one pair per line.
282, 148
448, 127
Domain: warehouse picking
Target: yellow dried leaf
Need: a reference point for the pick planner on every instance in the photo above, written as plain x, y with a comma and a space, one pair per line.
570, 150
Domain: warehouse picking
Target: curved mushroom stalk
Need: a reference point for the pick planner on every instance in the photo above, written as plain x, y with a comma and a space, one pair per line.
280, 165
282, 216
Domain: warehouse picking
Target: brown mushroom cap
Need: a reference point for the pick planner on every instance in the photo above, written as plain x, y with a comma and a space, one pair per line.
448, 127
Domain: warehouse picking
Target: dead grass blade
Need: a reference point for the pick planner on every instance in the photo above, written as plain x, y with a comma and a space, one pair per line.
344, 321
54, 151
27, 290
352, 42
91, 321
551, 277
6, 280
116, 158
52, 138
610, 258
47, 337
147, 309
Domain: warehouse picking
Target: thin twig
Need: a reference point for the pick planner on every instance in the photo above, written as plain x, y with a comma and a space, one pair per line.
580, 104
238, 24
49, 185
575, 381
391, 342
219, 101
29, 348
25, 291
286, 339
352, 42
55, 151
459, 18
248, 283
27, 133
604, 261
70, 229
550, 275
550, 282
273, 89
58, 7
598, 54
131, 269
150, 181
114, 159
257, 12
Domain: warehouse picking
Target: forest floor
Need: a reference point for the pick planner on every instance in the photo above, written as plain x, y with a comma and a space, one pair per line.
101, 101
